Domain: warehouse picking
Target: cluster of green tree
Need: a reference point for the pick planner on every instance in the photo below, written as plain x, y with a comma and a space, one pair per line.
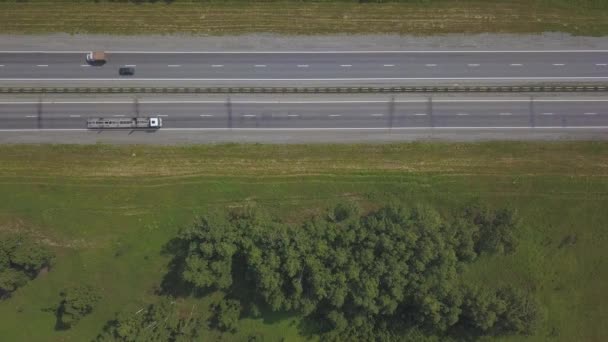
76, 302
378, 276
21, 259
160, 322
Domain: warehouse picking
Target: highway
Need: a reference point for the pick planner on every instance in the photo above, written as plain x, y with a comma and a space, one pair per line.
325, 67
316, 113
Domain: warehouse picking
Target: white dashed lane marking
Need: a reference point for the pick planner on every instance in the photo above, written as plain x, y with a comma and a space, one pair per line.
346, 65
206, 115
547, 113
334, 115
217, 65
302, 65
516, 64
590, 113
504, 114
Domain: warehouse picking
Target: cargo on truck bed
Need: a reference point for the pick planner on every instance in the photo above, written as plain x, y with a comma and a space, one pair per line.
143, 122
96, 57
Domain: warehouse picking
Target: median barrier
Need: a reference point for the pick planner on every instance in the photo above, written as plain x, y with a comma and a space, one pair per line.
306, 90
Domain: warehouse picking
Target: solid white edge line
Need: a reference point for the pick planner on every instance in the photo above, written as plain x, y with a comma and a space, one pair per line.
305, 102
308, 52
315, 79
320, 129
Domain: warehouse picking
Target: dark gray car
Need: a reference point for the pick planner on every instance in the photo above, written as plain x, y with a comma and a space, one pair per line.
126, 71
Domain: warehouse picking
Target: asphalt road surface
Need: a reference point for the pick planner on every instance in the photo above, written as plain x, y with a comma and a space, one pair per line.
326, 67
316, 114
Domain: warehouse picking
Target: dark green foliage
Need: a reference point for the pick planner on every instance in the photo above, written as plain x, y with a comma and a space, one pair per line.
506, 311
496, 229
379, 276
20, 260
76, 302
210, 245
522, 312
161, 322
226, 314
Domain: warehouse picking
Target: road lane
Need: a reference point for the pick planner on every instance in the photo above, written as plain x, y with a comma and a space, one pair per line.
318, 65
381, 112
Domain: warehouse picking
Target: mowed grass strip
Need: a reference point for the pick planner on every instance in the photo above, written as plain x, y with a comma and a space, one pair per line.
585, 17
267, 161
107, 211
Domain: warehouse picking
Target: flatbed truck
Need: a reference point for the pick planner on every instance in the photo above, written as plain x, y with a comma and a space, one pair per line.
132, 123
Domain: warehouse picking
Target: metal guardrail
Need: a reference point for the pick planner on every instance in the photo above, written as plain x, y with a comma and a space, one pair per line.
303, 90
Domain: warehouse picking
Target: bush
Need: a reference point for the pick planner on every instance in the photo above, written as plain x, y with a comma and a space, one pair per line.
227, 314
76, 303
20, 261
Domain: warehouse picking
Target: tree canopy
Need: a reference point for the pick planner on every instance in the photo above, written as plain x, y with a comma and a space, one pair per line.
374, 276
160, 322
21, 259
76, 302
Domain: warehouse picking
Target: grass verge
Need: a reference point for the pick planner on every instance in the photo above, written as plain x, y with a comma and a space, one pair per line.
580, 17
107, 211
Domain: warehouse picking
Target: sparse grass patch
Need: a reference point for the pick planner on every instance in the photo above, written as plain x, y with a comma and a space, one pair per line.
580, 17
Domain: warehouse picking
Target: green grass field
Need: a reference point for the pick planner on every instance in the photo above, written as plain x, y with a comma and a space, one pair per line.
107, 211
581, 17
